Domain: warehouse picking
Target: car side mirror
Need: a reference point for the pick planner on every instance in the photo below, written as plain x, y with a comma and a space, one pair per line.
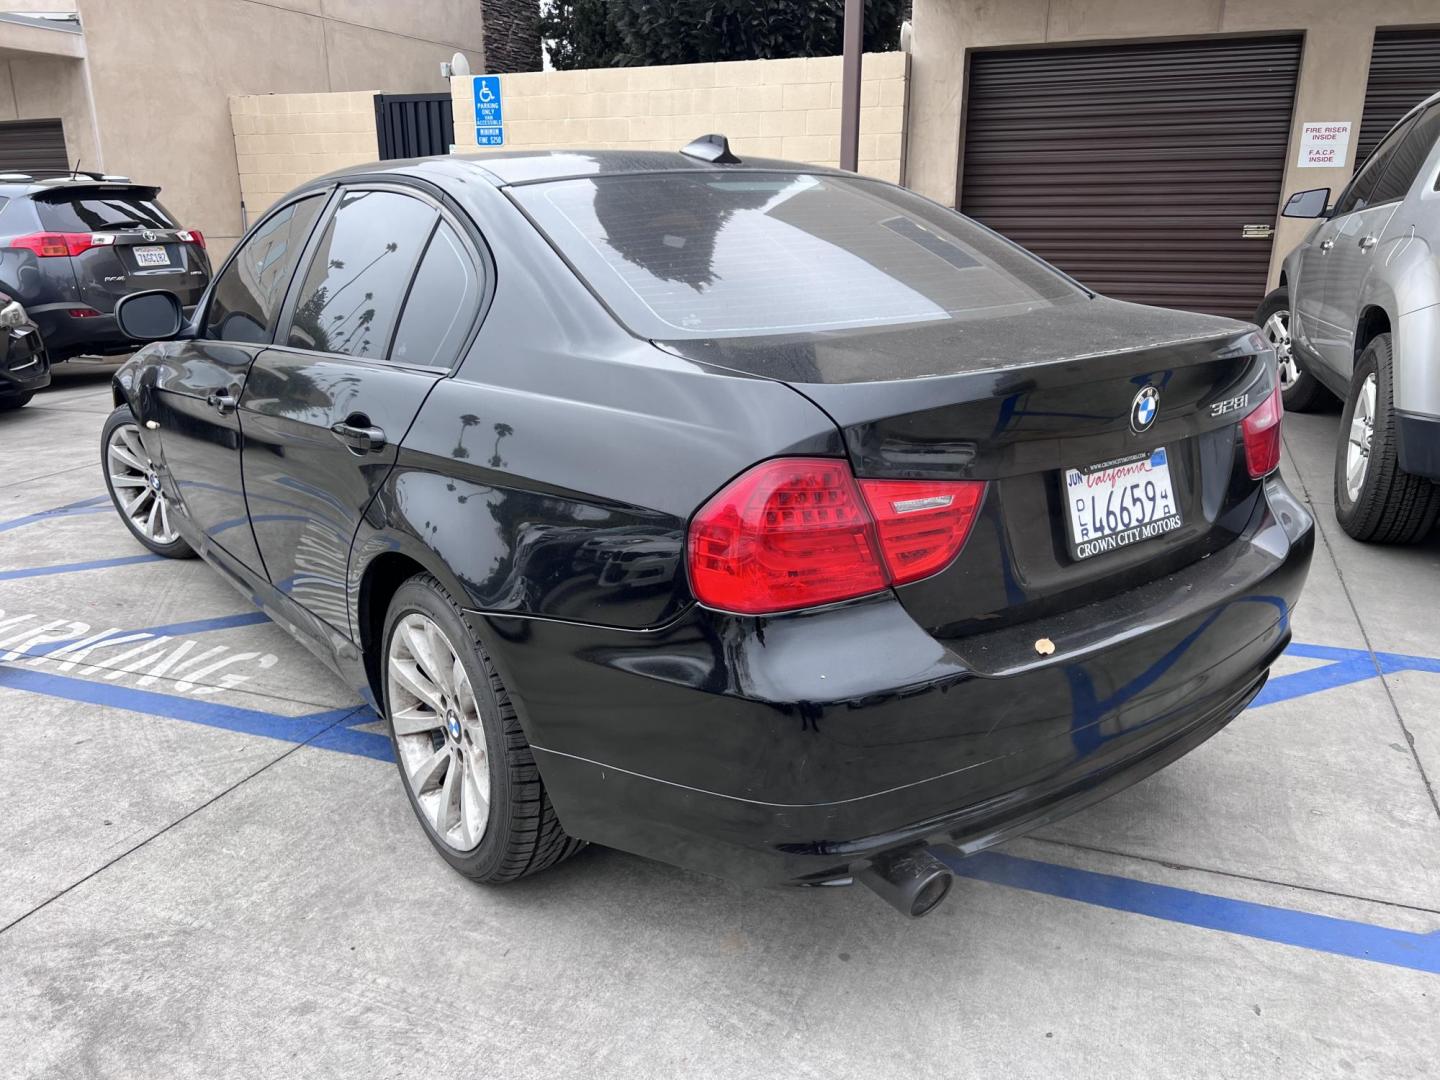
155, 315
1307, 204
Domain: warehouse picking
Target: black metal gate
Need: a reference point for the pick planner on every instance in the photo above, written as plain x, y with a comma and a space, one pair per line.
413, 125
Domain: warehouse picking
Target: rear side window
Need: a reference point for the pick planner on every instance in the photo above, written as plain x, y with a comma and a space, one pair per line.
1409, 157
1361, 191
682, 255
356, 282
441, 304
102, 212
248, 294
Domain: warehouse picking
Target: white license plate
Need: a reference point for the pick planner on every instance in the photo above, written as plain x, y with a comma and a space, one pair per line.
151, 256
1120, 502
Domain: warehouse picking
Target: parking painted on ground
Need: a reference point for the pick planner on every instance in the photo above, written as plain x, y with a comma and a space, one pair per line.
1308, 829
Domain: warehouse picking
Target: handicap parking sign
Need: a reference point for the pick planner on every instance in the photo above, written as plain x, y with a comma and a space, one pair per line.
489, 118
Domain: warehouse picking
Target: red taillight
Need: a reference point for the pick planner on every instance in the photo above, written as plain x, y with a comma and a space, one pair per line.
921, 523
50, 245
797, 532
83, 313
1262, 436
192, 236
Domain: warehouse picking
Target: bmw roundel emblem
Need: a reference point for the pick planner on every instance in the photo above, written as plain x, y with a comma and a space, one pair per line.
1144, 409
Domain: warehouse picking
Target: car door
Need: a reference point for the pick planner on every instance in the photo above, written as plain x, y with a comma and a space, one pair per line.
1314, 323
1370, 234
1348, 243
200, 380
325, 408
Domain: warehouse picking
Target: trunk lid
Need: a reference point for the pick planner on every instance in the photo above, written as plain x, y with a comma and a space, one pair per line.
1016, 401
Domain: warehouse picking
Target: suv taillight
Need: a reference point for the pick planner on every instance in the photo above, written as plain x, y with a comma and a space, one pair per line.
51, 245
1262, 436
797, 532
192, 236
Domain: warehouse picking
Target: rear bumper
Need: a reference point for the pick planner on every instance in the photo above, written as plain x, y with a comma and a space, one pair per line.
1418, 439
67, 336
24, 365
796, 749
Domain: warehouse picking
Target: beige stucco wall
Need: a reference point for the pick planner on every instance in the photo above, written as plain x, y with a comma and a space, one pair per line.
43, 88
164, 116
282, 140
767, 108
1334, 66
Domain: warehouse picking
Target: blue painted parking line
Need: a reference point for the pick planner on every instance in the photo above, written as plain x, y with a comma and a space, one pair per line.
1285, 926
212, 714
337, 730
75, 567
95, 505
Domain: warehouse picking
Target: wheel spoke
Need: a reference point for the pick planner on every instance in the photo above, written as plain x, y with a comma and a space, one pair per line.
418, 641
424, 776
128, 480
165, 534
417, 683
475, 804
447, 812
126, 458
416, 721
150, 518
133, 506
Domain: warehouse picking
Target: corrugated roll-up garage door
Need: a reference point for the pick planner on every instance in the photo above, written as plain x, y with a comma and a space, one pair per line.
36, 147
1404, 71
1137, 168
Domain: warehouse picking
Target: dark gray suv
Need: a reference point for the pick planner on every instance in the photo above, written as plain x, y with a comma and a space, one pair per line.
71, 246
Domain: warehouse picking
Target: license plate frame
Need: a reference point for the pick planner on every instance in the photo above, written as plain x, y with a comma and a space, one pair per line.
1108, 506
151, 256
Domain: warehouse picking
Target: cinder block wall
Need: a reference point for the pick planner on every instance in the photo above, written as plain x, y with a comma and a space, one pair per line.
282, 140
767, 108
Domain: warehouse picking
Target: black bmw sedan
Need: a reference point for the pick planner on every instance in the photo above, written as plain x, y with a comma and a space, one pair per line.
763, 519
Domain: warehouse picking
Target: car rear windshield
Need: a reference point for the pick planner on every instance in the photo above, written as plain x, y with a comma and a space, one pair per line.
696, 255
102, 211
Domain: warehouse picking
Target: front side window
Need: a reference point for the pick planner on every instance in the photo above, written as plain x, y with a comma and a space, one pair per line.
693, 255
441, 305
247, 295
353, 290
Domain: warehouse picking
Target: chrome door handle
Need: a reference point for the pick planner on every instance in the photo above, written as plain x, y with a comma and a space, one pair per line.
360, 436
1326, 245
221, 402
1366, 243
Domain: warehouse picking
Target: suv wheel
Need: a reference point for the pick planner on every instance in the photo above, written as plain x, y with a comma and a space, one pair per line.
15, 401
1299, 389
1374, 499
463, 758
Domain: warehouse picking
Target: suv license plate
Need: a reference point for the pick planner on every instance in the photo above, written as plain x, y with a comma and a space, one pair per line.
151, 256
1120, 502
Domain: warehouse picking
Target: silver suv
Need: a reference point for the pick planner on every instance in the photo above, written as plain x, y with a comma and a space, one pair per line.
1357, 315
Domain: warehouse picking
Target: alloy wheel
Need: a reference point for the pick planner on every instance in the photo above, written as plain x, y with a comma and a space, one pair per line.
1362, 431
438, 731
135, 483
1277, 333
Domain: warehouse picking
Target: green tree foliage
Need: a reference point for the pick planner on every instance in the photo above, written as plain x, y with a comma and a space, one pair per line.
636, 33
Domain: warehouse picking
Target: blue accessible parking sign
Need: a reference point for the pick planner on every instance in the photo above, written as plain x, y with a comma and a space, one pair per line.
489, 119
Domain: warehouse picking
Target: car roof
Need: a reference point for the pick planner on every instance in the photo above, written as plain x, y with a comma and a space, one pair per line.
506, 167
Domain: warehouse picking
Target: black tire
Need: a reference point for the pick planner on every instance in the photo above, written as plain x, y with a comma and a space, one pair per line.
1304, 393
1391, 506
523, 834
178, 549
15, 401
